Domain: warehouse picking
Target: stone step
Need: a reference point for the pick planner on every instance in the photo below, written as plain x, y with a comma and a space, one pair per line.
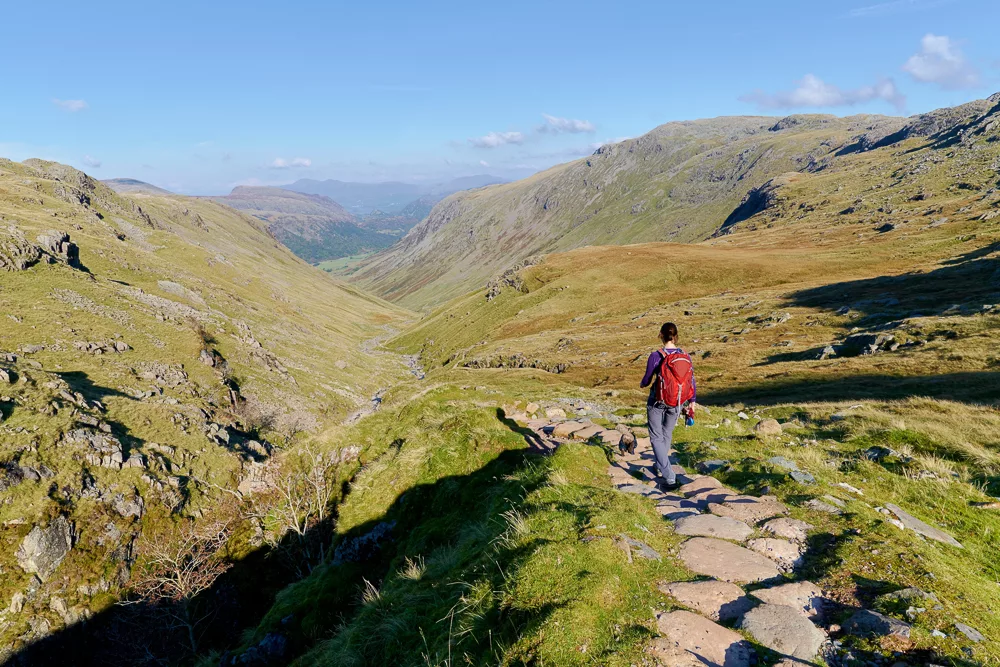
699, 485
587, 433
788, 555
790, 529
727, 561
709, 525
717, 600
690, 640
749, 509
804, 596
785, 630
567, 429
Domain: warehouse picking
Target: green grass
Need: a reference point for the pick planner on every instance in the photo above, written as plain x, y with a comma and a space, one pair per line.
343, 265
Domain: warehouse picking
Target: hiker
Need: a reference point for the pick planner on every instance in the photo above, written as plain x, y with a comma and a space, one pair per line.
670, 372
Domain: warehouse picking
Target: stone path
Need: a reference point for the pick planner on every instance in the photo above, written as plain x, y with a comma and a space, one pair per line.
720, 523
733, 540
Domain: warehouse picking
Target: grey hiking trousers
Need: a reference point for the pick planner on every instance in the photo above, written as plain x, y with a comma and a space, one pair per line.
662, 420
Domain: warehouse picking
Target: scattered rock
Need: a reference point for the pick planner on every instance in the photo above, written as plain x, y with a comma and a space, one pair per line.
638, 548
717, 600
710, 466
555, 413
785, 630
690, 640
726, 561
364, 547
768, 428
921, 528
567, 429
791, 529
743, 415
782, 462
43, 549
804, 596
17, 603
802, 477
710, 525
971, 633
867, 622
820, 506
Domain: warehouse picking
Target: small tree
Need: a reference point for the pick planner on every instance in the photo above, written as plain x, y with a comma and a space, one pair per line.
177, 571
299, 503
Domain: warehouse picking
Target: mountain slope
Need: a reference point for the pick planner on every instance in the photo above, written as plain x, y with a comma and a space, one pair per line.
314, 227
153, 350
130, 185
681, 182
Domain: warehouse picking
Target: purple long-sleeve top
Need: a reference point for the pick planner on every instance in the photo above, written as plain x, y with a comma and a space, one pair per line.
652, 366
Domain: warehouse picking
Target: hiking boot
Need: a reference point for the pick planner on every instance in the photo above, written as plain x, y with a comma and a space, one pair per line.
663, 485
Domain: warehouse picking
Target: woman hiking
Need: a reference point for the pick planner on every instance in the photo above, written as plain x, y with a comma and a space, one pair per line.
670, 372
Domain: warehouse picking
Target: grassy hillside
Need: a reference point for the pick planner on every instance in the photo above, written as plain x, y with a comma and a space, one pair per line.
485, 551
152, 349
684, 182
314, 227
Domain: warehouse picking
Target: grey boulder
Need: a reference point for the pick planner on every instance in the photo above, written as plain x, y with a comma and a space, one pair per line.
43, 549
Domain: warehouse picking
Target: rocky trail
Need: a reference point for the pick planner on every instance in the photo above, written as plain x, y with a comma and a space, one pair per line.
374, 347
746, 551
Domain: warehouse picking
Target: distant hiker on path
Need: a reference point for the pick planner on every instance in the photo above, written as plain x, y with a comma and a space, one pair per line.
670, 372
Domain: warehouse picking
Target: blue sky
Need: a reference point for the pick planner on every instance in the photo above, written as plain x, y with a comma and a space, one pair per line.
200, 96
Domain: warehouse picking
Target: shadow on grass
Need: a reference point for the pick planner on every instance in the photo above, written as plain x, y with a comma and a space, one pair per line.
966, 387
967, 281
455, 520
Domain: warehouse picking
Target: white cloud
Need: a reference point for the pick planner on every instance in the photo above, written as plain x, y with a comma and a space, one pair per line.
597, 144
896, 7
70, 105
484, 163
91, 161
814, 92
294, 163
940, 61
556, 125
497, 139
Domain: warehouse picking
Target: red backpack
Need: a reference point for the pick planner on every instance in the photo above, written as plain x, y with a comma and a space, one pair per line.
675, 378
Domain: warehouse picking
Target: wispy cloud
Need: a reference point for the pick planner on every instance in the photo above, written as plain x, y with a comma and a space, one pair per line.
597, 144
294, 163
71, 106
497, 139
940, 61
484, 163
813, 92
556, 125
91, 161
896, 7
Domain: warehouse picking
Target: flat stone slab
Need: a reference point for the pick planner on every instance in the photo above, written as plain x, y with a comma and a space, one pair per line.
790, 529
785, 630
803, 596
640, 490
690, 640
710, 525
782, 462
587, 433
612, 438
673, 507
699, 485
716, 600
726, 561
867, 622
921, 528
566, 429
786, 554
748, 509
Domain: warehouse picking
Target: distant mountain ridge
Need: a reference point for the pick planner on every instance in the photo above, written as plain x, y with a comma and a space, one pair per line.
390, 197
131, 185
314, 227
